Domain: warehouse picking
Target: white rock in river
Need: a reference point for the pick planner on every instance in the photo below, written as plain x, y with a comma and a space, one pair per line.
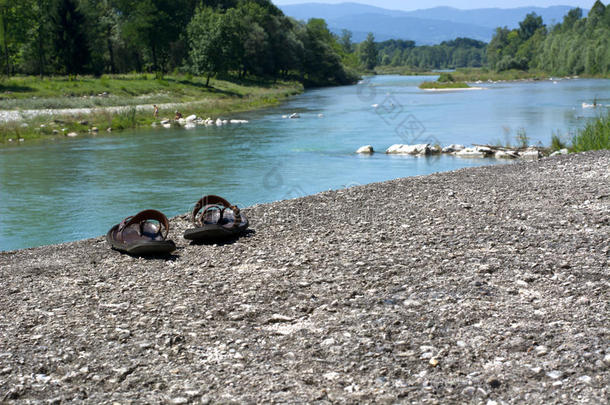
506, 154
164, 122
400, 149
453, 148
191, 118
560, 152
190, 125
365, 149
476, 152
218, 122
530, 154
72, 134
238, 121
435, 149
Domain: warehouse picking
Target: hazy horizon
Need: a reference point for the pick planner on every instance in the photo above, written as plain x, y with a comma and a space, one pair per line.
408, 5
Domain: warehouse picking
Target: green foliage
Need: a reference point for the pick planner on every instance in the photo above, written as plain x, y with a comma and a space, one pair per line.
321, 63
211, 37
577, 46
595, 136
461, 52
193, 96
69, 39
522, 139
208, 43
446, 78
557, 143
368, 52
443, 85
529, 26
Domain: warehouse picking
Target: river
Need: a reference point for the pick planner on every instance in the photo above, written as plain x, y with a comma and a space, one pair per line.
55, 191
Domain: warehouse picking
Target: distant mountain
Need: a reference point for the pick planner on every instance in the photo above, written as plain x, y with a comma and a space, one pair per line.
420, 30
429, 26
493, 17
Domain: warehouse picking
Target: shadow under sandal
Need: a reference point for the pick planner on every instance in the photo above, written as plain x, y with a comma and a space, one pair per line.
137, 235
218, 220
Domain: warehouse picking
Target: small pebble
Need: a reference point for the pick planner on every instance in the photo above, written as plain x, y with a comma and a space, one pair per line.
555, 374
493, 382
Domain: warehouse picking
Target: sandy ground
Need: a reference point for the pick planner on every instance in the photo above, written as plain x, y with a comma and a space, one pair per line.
486, 285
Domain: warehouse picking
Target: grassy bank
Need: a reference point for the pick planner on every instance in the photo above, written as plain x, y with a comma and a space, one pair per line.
185, 93
484, 74
403, 71
443, 85
595, 136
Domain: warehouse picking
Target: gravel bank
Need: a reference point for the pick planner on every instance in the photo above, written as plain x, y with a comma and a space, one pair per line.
485, 285
18, 115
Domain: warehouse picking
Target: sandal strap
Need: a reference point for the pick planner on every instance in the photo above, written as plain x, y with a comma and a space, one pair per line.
142, 217
205, 202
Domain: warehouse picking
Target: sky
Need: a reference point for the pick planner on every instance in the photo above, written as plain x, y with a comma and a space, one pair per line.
463, 4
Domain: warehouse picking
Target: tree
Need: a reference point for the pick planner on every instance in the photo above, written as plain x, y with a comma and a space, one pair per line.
15, 20
153, 26
529, 26
208, 52
571, 18
496, 46
368, 52
346, 41
321, 63
69, 37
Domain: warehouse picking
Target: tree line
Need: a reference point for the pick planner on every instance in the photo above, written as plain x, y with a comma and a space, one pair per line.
577, 45
254, 38
204, 37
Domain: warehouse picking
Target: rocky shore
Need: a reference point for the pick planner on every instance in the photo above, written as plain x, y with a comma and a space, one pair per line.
475, 151
485, 285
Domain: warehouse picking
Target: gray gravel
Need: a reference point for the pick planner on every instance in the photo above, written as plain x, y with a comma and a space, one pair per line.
487, 285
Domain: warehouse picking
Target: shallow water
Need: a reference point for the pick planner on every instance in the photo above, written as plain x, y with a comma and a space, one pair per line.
68, 189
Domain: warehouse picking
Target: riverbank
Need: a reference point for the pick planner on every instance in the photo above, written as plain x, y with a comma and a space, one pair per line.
473, 75
54, 107
485, 284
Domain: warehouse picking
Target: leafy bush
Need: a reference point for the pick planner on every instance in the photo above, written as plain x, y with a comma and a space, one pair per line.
557, 143
446, 78
447, 85
522, 139
595, 136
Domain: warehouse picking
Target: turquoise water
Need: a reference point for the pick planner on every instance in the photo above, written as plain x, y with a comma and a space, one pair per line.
68, 189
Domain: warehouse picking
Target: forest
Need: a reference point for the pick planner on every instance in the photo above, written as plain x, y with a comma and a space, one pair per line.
576, 46
253, 38
579, 45
207, 38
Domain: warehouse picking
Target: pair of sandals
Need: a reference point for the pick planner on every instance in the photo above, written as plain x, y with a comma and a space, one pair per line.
146, 232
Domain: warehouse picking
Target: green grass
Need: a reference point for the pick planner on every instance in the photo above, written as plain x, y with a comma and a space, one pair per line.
443, 85
595, 136
484, 75
557, 143
118, 90
403, 71
185, 93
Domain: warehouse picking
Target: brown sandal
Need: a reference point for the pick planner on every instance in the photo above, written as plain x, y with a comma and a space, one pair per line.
136, 235
218, 220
